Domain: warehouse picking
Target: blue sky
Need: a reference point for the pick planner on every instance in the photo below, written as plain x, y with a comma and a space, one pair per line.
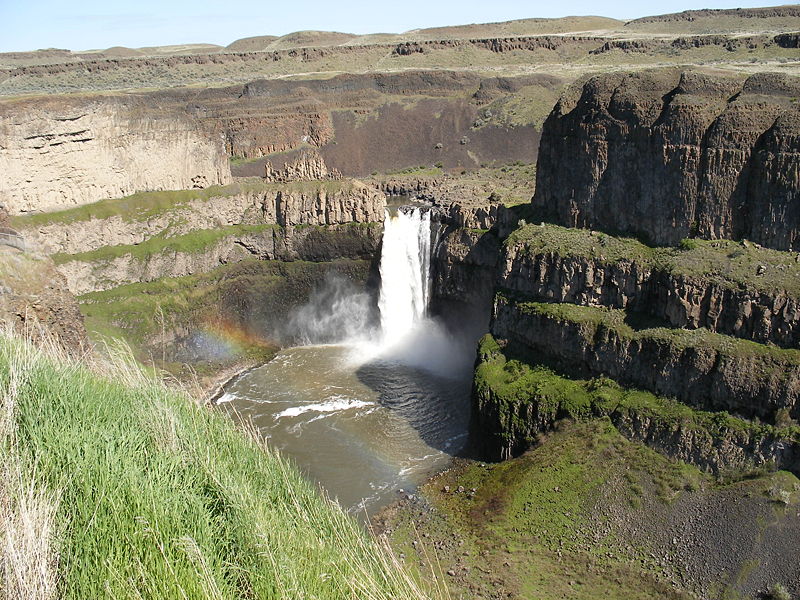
86, 24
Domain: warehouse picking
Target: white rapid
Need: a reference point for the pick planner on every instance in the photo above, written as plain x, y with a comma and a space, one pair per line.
405, 274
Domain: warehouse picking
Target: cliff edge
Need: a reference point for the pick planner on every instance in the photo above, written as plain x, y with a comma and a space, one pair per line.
666, 155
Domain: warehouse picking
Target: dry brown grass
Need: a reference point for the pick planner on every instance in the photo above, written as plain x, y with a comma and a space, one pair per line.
28, 536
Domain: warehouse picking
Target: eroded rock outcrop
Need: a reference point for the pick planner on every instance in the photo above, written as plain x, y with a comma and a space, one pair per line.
304, 220
239, 204
56, 154
669, 155
124, 265
506, 424
654, 285
34, 301
308, 166
697, 368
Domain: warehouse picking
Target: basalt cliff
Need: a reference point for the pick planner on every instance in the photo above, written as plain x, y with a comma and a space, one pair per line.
700, 312
667, 155
58, 153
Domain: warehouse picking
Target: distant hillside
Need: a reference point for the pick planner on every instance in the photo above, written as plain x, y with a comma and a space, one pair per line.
770, 18
312, 39
517, 28
256, 43
520, 27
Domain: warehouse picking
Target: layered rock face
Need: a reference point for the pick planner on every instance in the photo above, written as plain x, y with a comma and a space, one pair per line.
103, 272
668, 155
35, 302
311, 204
307, 221
509, 428
308, 166
697, 368
56, 154
653, 289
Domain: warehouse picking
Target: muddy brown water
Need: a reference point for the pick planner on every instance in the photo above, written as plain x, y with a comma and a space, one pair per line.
361, 430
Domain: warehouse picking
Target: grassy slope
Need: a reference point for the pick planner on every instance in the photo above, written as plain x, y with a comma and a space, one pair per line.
552, 523
160, 498
725, 263
209, 304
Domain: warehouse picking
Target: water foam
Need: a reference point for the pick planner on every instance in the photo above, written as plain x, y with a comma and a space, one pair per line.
336, 404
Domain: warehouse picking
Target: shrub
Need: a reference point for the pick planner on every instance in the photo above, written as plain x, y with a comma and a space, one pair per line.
778, 592
688, 244
783, 418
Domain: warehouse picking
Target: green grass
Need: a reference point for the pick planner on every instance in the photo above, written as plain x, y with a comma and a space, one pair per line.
514, 385
532, 530
137, 312
597, 320
197, 241
556, 522
146, 205
420, 171
160, 498
530, 105
236, 161
726, 263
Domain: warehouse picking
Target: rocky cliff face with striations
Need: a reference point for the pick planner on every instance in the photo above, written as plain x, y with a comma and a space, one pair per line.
504, 429
304, 220
34, 301
238, 204
697, 368
123, 265
463, 267
669, 155
308, 166
55, 154
655, 289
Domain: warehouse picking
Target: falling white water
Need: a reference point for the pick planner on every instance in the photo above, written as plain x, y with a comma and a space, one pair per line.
338, 313
405, 266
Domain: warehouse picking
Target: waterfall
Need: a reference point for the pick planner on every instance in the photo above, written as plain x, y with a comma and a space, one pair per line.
405, 273
340, 313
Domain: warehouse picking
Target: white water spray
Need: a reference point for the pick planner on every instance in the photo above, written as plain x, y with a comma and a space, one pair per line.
339, 314
405, 274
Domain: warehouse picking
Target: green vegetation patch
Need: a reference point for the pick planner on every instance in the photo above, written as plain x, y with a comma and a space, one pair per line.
531, 528
530, 105
145, 205
420, 171
139, 312
513, 383
197, 241
595, 320
729, 264
136, 492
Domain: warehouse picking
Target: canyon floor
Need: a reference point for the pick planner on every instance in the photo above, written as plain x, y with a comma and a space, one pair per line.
588, 514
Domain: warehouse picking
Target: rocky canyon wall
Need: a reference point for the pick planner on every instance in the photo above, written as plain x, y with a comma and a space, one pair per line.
55, 154
688, 345
174, 234
715, 285
667, 155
